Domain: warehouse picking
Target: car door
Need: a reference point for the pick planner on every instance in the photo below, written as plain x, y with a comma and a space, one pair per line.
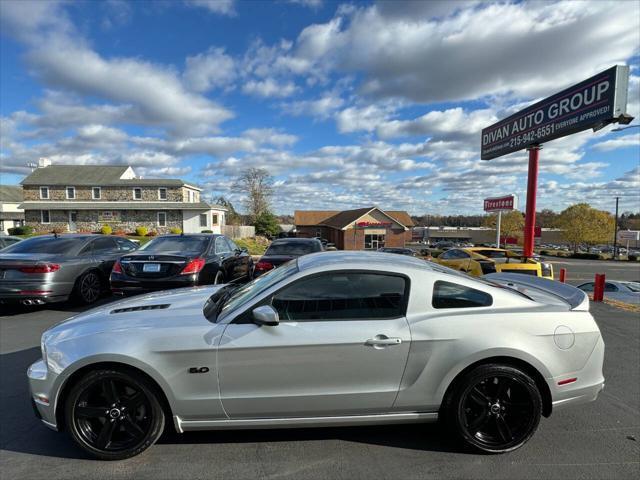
224, 253
240, 263
104, 252
340, 349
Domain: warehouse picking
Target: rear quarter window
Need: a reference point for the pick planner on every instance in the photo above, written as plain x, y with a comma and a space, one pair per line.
453, 295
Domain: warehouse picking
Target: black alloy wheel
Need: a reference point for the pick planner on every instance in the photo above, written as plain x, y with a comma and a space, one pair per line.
88, 288
495, 408
114, 415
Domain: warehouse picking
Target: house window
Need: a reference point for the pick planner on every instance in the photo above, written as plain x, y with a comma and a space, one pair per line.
190, 196
71, 193
44, 193
137, 193
45, 216
214, 219
373, 241
162, 194
162, 219
96, 193
203, 220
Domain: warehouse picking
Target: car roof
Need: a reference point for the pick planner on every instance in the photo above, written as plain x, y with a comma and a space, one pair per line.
366, 260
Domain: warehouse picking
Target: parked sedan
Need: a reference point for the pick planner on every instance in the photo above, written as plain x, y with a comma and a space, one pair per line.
623, 291
284, 249
174, 261
6, 240
333, 338
54, 268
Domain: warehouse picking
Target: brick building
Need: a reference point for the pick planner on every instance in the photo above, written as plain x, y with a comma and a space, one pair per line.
361, 229
86, 197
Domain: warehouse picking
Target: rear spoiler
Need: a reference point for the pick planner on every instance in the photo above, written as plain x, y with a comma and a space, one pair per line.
576, 298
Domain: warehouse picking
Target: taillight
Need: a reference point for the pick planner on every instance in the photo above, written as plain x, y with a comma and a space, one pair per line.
117, 268
44, 268
194, 266
262, 266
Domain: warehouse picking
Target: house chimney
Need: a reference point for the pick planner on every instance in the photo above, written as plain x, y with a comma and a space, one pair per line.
43, 162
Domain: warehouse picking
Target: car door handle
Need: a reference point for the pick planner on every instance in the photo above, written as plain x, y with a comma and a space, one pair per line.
383, 341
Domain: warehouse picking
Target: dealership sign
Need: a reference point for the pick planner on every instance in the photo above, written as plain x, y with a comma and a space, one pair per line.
498, 204
374, 224
593, 103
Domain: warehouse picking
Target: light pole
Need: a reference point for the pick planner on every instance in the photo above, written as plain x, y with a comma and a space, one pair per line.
615, 233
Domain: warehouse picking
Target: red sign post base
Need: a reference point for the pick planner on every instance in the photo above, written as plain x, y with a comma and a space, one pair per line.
530, 213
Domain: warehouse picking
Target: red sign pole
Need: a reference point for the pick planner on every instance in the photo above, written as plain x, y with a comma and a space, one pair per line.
530, 213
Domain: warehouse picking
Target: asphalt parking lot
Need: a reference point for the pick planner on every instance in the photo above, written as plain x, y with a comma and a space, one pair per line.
598, 440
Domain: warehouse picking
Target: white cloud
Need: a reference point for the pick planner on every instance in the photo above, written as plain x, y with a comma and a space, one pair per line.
322, 107
219, 7
269, 88
271, 136
314, 4
209, 70
624, 141
366, 118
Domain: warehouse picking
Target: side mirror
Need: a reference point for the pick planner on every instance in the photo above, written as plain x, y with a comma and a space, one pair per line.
265, 315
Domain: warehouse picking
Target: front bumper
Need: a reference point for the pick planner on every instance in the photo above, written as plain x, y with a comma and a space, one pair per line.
43, 390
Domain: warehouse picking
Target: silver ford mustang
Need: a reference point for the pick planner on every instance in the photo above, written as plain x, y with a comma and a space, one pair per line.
333, 338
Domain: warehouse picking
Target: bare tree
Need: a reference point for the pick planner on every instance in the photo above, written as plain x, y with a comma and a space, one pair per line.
256, 184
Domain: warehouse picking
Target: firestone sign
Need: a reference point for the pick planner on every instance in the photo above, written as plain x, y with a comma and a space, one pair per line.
498, 204
374, 224
592, 103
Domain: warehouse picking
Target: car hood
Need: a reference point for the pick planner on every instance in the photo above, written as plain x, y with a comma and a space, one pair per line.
169, 308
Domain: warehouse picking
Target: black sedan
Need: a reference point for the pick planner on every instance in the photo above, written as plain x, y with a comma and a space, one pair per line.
175, 261
285, 249
54, 268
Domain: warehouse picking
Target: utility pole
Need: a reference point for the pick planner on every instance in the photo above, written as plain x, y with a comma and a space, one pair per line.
615, 233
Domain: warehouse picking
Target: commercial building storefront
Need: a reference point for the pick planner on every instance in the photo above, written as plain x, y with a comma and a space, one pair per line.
360, 229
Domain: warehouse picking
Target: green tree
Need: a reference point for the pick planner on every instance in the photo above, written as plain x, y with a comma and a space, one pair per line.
547, 218
580, 223
266, 224
511, 224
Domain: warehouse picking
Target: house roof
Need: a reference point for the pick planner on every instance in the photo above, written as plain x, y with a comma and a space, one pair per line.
92, 175
10, 193
340, 219
119, 205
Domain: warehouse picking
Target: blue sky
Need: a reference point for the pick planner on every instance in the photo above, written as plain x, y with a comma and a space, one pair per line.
347, 104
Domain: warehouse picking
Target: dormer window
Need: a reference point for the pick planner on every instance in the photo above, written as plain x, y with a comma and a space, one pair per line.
137, 193
162, 194
44, 193
71, 193
96, 193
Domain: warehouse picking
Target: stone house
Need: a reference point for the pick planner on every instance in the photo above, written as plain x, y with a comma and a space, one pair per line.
86, 197
367, 228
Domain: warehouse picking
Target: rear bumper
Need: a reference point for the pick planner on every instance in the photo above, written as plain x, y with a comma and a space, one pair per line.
45, 292
125, 286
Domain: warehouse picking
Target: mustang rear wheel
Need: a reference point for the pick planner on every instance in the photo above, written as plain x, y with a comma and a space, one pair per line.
494, 408
114, 415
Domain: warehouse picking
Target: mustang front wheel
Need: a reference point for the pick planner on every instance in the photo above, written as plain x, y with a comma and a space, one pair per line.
494, 408
114, 415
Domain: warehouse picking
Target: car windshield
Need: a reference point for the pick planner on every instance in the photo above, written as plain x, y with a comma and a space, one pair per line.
633, 286
292, 248
176, 244
250, 291
53, 245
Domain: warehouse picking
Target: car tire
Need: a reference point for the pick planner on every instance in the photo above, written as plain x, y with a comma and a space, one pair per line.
219, 278
88, 288
493, 408
114, 414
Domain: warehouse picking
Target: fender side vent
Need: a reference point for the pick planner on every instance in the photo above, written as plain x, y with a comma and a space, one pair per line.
140, 308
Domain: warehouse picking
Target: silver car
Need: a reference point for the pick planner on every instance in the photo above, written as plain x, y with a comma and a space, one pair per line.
54, 268
334, 338
621, 290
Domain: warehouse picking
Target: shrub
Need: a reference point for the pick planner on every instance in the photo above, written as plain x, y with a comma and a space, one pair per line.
106, 230
633, 258
255, 246
586, 256
152, 233
175, 230
141, 231
120, 232
545, 252
24, 230
58, 230
206, 231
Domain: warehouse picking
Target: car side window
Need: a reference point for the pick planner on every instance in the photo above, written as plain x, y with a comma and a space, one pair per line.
610, 287
587, 287
343, 296
103, 245
125, 245
221, 245
452, 295
448, 255
231, 244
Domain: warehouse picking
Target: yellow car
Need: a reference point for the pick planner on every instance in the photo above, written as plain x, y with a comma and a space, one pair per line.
482, 260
